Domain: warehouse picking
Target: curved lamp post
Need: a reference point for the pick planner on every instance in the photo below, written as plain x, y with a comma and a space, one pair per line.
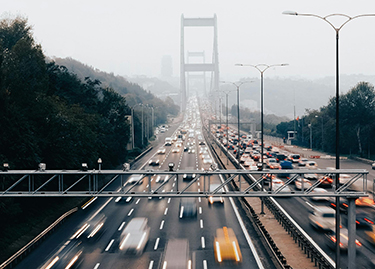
261, 68
337, 30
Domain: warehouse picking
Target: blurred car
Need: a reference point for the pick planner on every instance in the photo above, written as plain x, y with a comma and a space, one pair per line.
285, 165
135, 236
186, 148
344, 178
311, 165
279, 184
226, 246
303, 161
215, 199
230, 147
153, 162
202, 143
69, 257
311, 176
207, 160
175, 150
323, 217
92, 228
176, 254
188, 207
244, 157
249, 162
344, 205
306, 183
178, 144
344, 238
294, 158
319, 191
280, 157
363, 219
326, 181
370, 235
365, 201
135, 178
161, 151
191, 150
188, 176
272, 164
161, 178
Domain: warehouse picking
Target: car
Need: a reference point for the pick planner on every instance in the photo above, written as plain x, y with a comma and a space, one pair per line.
135, 179
226, 246
244, 157
92, 228
215, 199
370, 235
249, 162
188, 207
177, 254
311, 176
203, 150
344, 238
303, 161
306, 183
344, 178
285, 165
230, 147
323, 217
344, 205
279, 184
202, 143
294, 158
188, 176
363, 219
271, 163
207, 160
191, 150
326, 181
161, 178
365, 201
175, 150
311, 165
135, 236
161, 151
154, 162
319, 191
280, 157
70, 256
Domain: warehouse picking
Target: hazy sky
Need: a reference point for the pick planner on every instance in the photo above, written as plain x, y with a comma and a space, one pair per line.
130, 37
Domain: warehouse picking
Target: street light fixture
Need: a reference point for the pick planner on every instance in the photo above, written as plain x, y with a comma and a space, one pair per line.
100, 163
337, 30
262, 68
238, 85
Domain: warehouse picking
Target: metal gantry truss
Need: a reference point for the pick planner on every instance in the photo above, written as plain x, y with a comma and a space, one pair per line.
109, 183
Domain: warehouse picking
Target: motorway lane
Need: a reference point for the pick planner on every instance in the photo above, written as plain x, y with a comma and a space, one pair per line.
164, 223
299, 207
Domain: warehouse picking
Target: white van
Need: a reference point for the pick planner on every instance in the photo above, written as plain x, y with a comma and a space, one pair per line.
176, 254
214, 199
168, 141
135, 236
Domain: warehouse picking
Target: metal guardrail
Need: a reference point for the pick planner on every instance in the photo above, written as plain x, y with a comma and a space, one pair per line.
310, 248
19, 255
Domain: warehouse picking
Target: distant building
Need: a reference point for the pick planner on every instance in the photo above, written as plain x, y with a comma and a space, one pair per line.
166, 66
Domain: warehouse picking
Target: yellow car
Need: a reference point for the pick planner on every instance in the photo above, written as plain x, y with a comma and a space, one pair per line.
370, 235
226, 245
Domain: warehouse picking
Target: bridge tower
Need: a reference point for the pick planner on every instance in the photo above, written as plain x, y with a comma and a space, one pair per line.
186, 67
200, 77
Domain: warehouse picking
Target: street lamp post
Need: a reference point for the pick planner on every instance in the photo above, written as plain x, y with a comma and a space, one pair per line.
261, 68
310, 126
238, 85
337, 30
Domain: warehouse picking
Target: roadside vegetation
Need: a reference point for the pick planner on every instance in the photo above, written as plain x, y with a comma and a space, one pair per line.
50, 115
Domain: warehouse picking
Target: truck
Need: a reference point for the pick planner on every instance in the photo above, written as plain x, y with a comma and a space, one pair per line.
176, 254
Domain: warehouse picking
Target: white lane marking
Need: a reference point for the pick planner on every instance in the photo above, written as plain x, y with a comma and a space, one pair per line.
130, 212
151, 265
109, 245
200, 210
100, 209
156, 243
137, 201
166, 211
201, 222
199, 184
173, 185
189, 264
147, 185
203, 242
169, 200
199, 199
121, 226
204, 264
199, 189
175, 179
89, 203
97, 266
309, 204
161, 224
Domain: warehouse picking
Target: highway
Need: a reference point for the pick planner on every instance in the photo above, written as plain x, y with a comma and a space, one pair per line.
299, 207
163, 215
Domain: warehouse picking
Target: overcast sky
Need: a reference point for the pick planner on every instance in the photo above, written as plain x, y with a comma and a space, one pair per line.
130, 37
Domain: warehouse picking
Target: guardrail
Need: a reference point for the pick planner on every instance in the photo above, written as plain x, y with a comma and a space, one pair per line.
22, 253
310, 248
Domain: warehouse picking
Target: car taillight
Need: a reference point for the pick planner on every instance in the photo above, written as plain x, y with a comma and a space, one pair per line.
357, 221
358, 243
369, 221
